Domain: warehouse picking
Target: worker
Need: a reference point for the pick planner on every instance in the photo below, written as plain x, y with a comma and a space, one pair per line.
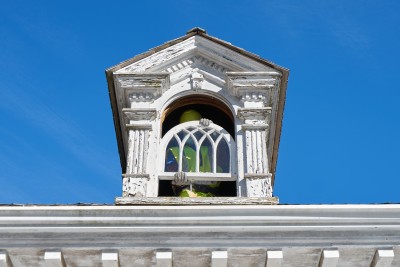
180, 185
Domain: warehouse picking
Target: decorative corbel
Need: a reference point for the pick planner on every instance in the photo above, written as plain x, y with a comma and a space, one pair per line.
197, 81
251, 115
142, 114
252, 86
143, 87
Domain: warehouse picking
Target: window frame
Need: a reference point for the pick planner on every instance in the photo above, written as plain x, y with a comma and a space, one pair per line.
199, 176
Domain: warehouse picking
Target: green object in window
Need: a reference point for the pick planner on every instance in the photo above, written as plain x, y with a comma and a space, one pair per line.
189, 159
205, 162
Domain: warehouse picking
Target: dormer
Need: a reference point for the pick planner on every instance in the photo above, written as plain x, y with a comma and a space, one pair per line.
233, 138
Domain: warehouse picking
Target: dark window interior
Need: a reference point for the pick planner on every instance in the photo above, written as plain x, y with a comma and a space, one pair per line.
207, 111
211, 112
226, 189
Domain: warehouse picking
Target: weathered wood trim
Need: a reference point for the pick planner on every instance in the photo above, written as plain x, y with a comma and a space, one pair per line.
259, 126
137, 126
274, 258
135, 175
166, 201
255, 113
257, 175
110, 259
219, 259
164, 259
192, 177
382, 258
4, 260
140, 113
54, 259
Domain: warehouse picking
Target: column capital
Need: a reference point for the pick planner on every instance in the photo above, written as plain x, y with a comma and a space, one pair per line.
142, 87
253, 86
251, 114
138, 114
258, 126
138, 126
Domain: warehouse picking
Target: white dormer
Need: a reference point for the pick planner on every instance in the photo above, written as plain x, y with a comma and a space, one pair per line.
242, 94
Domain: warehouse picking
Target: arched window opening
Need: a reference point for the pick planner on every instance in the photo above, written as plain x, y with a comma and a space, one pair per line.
192, 149
203, 153
199, 150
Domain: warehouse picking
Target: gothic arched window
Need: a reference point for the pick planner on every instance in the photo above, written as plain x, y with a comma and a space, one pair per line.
199, 151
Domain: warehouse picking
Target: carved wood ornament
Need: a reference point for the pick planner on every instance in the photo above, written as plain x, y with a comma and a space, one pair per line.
197, 66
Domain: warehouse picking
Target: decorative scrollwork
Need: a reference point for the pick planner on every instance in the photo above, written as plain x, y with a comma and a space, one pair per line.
140, 114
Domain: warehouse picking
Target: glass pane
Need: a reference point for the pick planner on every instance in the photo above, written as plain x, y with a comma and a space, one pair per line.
223, 157
214, 135
181, 134
189, 156
172, 156
198, 135
206, 156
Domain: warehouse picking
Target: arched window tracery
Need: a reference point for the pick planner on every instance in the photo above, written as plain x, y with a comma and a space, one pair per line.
199, 150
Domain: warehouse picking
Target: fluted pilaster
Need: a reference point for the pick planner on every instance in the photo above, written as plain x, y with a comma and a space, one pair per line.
136, 177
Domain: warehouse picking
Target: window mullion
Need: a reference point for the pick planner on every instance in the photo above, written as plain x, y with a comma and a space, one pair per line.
231, 155
197, 160
214, 147
181, 144
197, 153
217, 141
199, 146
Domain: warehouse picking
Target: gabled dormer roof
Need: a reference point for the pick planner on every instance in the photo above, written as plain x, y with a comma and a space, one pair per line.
196, 47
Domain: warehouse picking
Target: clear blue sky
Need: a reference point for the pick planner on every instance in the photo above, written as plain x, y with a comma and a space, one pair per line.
341, 129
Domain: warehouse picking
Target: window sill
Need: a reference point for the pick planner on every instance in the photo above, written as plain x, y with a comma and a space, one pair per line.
198, 176
174, 201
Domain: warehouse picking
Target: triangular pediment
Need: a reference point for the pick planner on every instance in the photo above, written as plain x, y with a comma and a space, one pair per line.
198, 50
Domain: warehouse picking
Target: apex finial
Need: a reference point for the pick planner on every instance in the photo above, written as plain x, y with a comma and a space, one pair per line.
196, 30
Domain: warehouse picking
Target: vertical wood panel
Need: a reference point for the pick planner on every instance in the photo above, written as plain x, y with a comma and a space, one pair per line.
145, 150
264, 151
130, 152
259, 152
141, 151
248, 167
253, 145
135, 151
